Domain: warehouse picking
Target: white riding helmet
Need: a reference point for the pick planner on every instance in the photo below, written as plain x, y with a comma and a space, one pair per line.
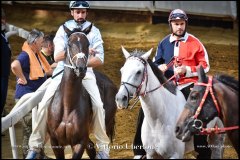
78, 4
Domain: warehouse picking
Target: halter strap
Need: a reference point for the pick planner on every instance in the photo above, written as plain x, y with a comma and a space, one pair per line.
209, 88
139, 87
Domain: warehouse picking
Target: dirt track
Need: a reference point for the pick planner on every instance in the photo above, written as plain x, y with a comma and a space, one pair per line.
221, 44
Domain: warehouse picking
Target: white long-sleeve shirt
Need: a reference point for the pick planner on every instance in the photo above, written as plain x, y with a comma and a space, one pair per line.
61, 39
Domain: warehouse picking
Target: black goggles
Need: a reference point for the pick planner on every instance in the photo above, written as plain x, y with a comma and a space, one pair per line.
80, 3
178, 15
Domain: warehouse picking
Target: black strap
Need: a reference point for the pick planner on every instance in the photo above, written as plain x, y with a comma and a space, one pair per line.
57, 74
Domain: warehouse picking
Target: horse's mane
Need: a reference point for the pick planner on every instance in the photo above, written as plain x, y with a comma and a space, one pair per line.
137, 53
228, 80
158, 73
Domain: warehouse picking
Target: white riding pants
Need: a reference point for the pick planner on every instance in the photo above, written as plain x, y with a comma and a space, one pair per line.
37, 138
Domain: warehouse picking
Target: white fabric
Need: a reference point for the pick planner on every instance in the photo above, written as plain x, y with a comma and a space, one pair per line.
39, 129
94, 38
60, 42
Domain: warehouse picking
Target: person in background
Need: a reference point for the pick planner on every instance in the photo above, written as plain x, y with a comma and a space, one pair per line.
7, 30
48, 51
185, 52
79, 11
31, 70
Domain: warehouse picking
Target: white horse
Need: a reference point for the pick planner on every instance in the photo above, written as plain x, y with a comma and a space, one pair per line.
161, 102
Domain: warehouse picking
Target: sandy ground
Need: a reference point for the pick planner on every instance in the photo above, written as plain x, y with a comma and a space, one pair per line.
221, 44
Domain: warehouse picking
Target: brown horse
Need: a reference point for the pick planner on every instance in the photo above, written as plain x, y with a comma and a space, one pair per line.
201, 107
70, 112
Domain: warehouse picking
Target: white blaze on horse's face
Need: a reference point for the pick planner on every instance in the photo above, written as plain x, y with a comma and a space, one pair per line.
131, 78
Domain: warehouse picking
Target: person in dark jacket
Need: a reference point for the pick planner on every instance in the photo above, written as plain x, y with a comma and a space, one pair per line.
7, 30
5, 62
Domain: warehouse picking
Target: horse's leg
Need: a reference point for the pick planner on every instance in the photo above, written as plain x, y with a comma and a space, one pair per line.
58, 150
137, 143
216, 141
78, 150
91, 151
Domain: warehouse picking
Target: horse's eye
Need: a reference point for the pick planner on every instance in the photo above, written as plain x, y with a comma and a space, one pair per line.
194, 96
139, 72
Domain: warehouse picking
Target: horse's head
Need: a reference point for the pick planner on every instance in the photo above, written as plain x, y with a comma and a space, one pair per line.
77, 51
133, 77
198, 110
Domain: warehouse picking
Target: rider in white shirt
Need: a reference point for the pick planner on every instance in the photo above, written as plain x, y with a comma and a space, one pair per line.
79, 10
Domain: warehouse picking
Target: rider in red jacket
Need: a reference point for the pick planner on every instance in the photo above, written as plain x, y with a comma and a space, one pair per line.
178, 55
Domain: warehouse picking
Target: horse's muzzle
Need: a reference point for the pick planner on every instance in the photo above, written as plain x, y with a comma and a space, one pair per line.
121, 101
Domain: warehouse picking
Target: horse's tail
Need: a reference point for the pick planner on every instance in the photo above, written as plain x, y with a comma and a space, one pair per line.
111, 130
111, 109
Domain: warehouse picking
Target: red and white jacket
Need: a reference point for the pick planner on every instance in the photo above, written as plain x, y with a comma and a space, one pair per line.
189, 51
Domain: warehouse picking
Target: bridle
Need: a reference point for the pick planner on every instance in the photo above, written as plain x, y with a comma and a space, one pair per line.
78, 56
209, 88
145, 76
139, 87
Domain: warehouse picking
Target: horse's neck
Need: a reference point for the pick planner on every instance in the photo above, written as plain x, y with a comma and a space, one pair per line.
227, 100
152, 80
153, 103
70, 84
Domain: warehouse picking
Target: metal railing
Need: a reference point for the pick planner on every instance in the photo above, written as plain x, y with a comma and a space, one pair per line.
27, 103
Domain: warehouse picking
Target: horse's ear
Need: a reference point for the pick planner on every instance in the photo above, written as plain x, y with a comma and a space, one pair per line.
125, 52
147, 54
68, 32
88, 29
201, 74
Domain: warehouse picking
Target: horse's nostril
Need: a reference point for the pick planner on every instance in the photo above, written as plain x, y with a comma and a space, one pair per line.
177, 129
124, 98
